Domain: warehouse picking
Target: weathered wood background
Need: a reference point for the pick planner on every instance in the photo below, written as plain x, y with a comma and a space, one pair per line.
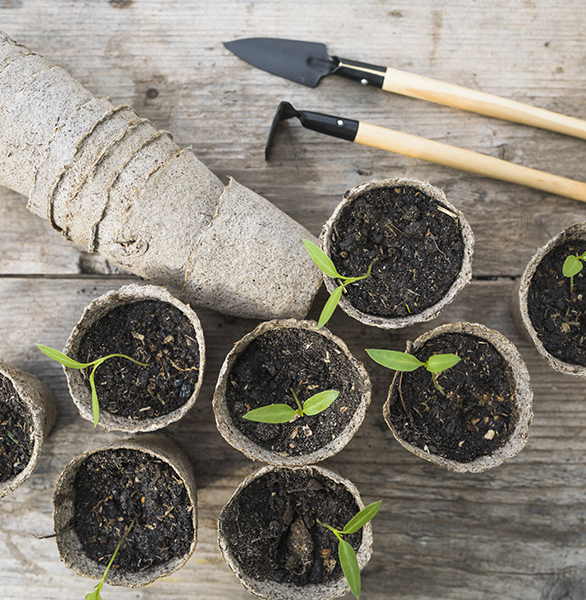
517, 532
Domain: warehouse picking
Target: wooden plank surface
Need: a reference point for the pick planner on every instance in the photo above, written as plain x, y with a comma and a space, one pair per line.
515, 532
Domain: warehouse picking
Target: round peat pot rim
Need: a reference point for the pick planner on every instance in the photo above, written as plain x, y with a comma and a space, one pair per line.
40, 408
520, 295
92, 313
522, 399
236, 438
271, 590
68, 544
464, 275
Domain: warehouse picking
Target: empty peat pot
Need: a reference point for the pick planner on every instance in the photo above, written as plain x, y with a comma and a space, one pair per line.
269, 535
421, 244
27, 415
145, 481
150, 325
484, 414
549, 309
269, 365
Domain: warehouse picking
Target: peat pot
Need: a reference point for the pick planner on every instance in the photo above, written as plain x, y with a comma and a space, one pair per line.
482, 417
269, 535
549, 309
146, 481
150, 325
27, 415
422, 244
269, 365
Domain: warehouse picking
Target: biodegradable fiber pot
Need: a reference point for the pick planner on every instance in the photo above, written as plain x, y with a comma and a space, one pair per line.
484, 417
422, 244
264, 366
108, 180
165, 334
269, 536
27, 415
544, 310
145, 479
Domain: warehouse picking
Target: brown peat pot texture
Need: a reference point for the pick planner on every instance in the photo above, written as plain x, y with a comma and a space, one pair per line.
145, 482
152, 332
485, 413
263, 368
269, 534
421, 244
16, 441
558, 316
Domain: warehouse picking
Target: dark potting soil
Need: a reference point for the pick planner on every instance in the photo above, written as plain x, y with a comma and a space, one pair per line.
115, 487
418, 245
16, 435
151, 332
271, 527
306, 361
559, 318
474, 418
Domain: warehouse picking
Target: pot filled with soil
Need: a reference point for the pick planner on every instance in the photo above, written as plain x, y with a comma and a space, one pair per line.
144, 485
417, 246
469, 417
289, 365
549, 308
146, 325
27, 415
272, 534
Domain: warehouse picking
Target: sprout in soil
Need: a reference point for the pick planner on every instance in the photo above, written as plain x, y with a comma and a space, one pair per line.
401, 361
327, 267
95, 595
283, 413
348, 560
73, 364
572, 266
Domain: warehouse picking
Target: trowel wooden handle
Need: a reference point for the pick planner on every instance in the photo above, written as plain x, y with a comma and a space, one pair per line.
466, 160
456, 96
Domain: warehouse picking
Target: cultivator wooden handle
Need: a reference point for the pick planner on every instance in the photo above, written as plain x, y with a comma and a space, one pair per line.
435, 152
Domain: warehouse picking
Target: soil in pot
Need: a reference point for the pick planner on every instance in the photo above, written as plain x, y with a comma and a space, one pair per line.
151, 332
558, 317
16, 441
291, 358
417, 242
271, 527
115, 487
476, 415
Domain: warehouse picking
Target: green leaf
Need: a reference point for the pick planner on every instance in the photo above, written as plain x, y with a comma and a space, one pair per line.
319, 402
360, 519
274, 413
572, 266
95, 595
330, 306
62, 358
398, 361
440, 362
322, 260
349, 564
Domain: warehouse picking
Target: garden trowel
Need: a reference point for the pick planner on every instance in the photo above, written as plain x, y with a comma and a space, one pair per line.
308, 62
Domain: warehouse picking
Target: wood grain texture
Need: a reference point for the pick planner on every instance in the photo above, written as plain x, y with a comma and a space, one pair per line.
515, 532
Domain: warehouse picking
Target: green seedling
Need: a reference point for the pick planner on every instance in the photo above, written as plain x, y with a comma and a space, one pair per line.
346, 554
95, 595
73, 364
572, 266
283, 413
327, 267
401, 361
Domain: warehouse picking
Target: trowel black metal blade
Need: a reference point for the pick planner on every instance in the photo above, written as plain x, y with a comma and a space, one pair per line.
302, 62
